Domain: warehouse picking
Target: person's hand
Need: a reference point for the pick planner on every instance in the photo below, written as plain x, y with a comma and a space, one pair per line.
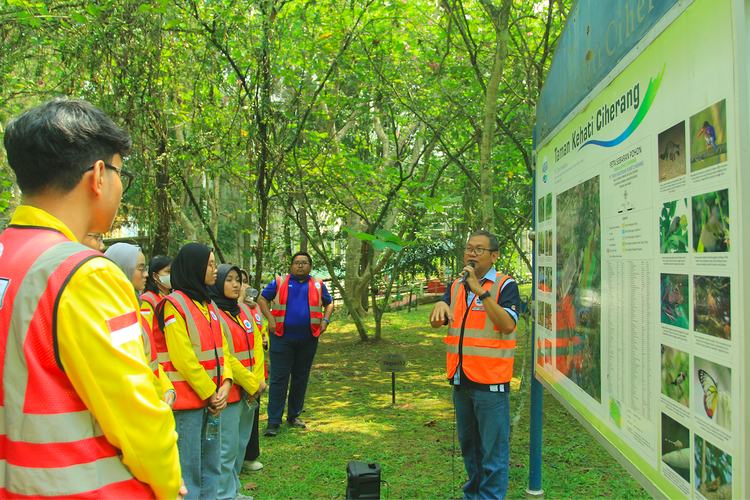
213, 401
471, 279
169, 398
243, 292
272, 326
439, 313
323, 326
183, 490
265, 341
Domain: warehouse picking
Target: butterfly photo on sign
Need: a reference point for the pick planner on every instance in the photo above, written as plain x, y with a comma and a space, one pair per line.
713, 381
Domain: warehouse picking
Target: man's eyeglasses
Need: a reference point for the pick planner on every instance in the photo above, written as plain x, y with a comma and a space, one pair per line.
477, 251
300, 263
120, 171
97, 237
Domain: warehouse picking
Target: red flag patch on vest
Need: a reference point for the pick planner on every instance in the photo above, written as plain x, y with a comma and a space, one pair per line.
124, 328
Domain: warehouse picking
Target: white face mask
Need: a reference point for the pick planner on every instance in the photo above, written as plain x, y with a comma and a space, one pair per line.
166, 281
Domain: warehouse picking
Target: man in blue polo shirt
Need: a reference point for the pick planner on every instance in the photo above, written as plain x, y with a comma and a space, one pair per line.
301, 311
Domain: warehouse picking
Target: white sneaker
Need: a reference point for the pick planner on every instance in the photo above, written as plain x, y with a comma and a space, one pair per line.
252, 465
240, 495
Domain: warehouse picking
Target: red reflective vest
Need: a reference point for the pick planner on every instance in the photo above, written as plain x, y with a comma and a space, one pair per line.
240, 342
205, 336
485, 353
51, 444
258, 318
314, 300
151, 298
149, 346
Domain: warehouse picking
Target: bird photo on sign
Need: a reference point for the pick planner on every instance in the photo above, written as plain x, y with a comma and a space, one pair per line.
712, 311
673, 227
675, 300
711, 222
708, 137
675, 375
672, 152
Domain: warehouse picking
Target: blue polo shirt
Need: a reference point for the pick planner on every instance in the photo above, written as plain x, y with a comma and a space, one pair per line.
297, 318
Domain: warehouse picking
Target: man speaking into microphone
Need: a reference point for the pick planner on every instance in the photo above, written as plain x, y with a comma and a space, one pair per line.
481, 311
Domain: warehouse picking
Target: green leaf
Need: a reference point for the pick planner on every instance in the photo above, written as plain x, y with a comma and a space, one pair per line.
145, 8
172, 23
79, 17
393, 246
378, 245
93, 10
383, 234
361, 236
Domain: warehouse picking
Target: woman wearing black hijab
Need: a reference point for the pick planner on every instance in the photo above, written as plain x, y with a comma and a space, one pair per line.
237, 418
199, 365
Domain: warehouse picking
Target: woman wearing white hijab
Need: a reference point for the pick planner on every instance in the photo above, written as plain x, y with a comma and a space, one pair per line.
131, 260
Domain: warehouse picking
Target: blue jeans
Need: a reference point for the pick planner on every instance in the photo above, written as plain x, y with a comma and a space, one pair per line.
289, 357
483, 425
236, 426
199, 459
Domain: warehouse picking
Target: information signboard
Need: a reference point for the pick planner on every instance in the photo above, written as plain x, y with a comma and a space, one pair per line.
640, 254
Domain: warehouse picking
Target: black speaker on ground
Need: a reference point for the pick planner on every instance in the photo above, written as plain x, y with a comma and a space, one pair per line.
363, 481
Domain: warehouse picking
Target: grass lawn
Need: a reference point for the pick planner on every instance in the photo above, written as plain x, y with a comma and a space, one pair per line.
350, 417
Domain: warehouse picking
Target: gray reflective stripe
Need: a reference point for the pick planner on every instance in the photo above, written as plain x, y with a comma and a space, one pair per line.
485, 352
318, 309
225, 329
241, 356
488, 334
454, 296
206, 355
177, 377
278, 307
315, 321
72, 480
152, 363
163, 357
15, 372
489, 352
57, 427
192, 328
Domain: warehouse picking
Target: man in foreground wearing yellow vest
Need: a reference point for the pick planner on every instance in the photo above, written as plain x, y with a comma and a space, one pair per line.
481, 310
81, 415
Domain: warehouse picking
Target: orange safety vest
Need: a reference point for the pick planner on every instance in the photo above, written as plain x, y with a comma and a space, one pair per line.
51, 443
314, 300
205, 336
484, 352
240, 341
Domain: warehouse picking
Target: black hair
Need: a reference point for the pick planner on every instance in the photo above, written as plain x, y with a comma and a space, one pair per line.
301, 253
247, 276
494, 242
154, 266
51, 145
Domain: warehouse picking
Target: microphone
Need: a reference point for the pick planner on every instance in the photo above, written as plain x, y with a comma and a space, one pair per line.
466, 273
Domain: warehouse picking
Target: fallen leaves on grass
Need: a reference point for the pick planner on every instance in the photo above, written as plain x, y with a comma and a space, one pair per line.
250, 486
431, 423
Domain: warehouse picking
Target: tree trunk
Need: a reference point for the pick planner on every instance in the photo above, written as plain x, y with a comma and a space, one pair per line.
499, 17
162, 236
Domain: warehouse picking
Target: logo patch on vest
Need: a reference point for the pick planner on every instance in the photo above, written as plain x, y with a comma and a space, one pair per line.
248, 325
257, 318
213, 316
477, 301
1, 249
317, 285
4, 283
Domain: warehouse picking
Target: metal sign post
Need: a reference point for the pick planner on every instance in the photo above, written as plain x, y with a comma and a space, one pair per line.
393, 363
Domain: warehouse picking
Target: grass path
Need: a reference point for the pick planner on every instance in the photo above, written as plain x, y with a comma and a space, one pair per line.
350, 417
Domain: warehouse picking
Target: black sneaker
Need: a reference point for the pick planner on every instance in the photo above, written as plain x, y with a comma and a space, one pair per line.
271, 430
297, 422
